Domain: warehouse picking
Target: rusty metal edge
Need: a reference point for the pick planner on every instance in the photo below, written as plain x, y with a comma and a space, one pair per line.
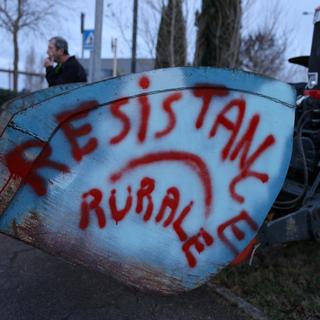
248, 308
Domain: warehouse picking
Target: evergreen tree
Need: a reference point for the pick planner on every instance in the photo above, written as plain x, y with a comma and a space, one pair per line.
218, 36
162, 52
171, 42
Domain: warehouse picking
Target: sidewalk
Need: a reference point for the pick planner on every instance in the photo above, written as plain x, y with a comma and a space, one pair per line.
35, 286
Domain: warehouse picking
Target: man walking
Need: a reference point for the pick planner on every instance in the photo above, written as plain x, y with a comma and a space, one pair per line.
67, 70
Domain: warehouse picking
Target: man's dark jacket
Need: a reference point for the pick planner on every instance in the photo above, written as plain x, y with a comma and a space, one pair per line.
67, 72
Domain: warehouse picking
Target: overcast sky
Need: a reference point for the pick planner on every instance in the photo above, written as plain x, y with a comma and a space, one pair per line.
119, 13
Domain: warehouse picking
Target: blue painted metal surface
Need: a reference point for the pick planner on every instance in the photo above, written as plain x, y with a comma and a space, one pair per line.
159, 179
10, 108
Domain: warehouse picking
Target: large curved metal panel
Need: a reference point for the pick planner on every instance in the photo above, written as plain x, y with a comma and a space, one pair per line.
159, 179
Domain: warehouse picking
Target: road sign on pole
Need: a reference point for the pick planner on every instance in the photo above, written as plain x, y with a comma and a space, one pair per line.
88, 39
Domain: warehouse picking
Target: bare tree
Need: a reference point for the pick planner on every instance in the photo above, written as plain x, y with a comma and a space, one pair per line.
149, 17
148, 25
30, 67
263, 50
31, 81
19, 15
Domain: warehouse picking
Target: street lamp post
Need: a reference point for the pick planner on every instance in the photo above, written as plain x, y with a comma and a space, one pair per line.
96, 53
134, 36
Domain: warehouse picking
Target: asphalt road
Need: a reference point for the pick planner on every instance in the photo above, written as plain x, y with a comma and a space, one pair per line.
35, 285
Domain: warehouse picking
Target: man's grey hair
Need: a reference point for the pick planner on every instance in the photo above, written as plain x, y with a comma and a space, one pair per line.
60, 43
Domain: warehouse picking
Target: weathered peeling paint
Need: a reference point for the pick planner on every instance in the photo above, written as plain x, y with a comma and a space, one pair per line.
159, 179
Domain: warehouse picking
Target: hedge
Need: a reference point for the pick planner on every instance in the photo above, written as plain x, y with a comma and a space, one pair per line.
6, 95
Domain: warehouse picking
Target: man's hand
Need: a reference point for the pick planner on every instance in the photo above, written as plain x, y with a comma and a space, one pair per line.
48, 62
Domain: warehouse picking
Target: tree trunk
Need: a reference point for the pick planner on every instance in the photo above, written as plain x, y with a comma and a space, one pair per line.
16, 28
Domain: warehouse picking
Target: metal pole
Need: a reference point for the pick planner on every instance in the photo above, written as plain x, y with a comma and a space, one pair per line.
9, 80
97, 41
81, 30
134, 36
91, 67
114, 49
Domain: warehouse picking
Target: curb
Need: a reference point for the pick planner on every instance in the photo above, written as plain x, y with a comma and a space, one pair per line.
248, 308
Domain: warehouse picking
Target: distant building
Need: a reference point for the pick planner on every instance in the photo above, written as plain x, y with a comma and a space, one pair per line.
123, 66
